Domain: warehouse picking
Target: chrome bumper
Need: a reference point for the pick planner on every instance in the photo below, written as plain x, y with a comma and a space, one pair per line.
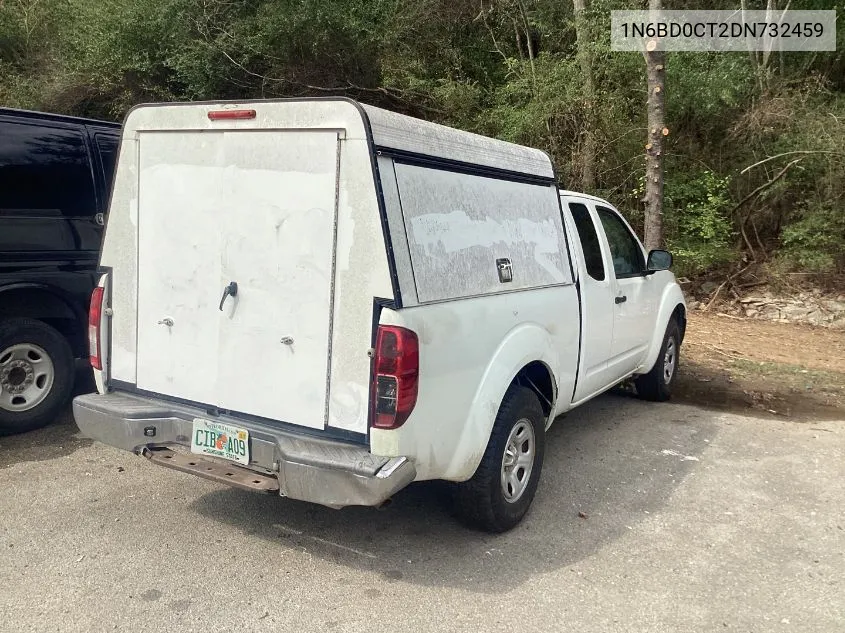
327, 472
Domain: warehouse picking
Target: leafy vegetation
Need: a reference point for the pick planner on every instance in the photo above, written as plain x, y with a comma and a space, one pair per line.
699, 231
507, 68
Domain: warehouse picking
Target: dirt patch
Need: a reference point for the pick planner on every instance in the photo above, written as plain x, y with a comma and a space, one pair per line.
779, 369
793, 344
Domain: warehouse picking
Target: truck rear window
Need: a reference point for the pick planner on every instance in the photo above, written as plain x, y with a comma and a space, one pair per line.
589, 240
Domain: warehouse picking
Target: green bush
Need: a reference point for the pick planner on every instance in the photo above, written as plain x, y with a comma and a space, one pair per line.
816, 241
696, 222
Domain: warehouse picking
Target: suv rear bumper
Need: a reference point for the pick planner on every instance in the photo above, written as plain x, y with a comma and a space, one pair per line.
327, 472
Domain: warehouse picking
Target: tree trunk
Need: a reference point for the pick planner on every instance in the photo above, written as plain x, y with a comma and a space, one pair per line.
585, 60
655, 68
529, 45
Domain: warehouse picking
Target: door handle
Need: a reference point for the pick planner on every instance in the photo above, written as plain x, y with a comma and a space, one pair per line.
229, 291
619, 299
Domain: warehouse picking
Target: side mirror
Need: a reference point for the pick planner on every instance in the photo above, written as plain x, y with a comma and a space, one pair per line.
659, 260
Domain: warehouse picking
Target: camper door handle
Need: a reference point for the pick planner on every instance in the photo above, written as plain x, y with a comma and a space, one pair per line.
229, 291
621, 299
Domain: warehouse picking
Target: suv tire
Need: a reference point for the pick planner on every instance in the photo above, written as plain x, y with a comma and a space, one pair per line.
36, 374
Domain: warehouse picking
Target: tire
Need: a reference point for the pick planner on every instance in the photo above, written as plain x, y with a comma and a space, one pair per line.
482, 502
656, 385
36, 374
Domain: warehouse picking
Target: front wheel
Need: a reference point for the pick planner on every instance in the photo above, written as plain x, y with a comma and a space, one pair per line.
36, 374
499, 494
657, 384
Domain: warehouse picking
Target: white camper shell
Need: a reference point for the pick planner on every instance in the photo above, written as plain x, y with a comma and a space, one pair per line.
329, 300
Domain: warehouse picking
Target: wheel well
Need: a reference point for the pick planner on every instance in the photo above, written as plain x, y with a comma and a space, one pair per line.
537, 377
36, 303
680, 316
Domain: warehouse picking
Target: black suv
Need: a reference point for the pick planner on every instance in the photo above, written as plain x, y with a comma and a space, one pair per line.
55, 178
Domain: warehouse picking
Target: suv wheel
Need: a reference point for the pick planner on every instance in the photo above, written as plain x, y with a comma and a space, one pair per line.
36, 374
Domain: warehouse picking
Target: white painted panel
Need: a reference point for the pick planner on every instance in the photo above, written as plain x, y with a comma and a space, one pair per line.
120, 255
458, 225
253, 207
277, 244
469, 352
179, 262
361, 273
120, 243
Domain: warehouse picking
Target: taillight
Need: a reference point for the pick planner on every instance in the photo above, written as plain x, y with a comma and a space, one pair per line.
396, 368
95, 313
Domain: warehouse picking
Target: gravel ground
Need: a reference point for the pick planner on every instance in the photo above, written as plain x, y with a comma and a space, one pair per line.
691, 521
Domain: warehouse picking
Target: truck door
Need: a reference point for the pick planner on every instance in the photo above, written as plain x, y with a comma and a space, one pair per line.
594, 372
634, 294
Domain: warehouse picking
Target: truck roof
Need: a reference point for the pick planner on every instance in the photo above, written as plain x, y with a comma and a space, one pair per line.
578, 194
386, 130
416, 136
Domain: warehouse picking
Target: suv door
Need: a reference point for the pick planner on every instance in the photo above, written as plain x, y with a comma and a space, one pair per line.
635, 303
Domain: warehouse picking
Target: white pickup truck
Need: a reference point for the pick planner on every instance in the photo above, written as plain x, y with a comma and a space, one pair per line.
328, 301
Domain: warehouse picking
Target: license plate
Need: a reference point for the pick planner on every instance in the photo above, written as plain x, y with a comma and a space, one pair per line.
220, 440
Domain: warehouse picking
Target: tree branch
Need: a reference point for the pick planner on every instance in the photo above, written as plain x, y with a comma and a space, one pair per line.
483, 16
392, 93
727, 281
529, 45
801, 151
764, 186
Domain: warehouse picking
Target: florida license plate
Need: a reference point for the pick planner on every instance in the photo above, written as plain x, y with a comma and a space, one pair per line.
220, 440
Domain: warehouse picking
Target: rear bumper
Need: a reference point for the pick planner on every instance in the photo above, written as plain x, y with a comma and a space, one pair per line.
327, 472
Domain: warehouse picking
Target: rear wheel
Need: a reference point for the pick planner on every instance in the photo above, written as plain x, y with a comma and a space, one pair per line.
657, 384
499, 494
36, 374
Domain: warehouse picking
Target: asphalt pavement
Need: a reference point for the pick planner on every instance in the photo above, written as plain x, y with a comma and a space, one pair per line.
648, 518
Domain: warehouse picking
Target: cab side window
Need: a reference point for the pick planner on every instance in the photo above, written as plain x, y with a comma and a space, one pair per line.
628, 260
589, 240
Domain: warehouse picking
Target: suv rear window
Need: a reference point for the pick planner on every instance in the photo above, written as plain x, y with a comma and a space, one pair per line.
44, 171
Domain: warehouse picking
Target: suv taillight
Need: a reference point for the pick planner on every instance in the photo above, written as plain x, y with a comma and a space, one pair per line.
95, 313
396, 368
